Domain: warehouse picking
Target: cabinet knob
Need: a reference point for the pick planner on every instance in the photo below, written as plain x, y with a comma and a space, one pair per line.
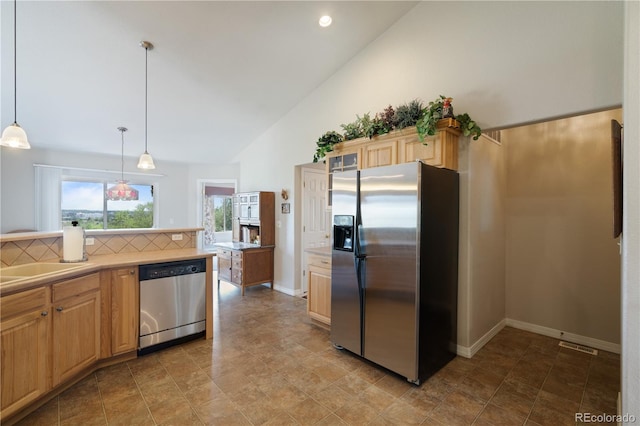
59, 309
44, 313
132, 272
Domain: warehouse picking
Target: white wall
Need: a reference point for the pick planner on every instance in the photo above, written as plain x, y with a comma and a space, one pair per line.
176, 196
503, 63
631, 212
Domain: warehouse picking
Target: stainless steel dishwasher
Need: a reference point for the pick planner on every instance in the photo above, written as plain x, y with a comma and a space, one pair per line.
172, 303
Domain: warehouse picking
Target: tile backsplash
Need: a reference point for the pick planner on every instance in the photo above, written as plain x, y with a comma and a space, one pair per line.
50, 249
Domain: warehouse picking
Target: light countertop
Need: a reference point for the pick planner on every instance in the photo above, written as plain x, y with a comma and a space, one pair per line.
240, 246
109, 261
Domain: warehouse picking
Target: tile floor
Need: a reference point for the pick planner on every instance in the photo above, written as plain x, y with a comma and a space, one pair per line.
268, 365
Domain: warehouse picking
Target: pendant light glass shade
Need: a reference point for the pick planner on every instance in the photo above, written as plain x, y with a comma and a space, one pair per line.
146, 161
121, 191
14, 136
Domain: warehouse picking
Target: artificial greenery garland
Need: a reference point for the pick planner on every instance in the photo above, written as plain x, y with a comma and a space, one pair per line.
406, 115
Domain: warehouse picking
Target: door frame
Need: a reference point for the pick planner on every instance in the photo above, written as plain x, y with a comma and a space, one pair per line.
303, 257
200, 185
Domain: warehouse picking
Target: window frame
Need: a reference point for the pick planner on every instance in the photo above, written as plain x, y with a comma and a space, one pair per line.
48, 191
106, 183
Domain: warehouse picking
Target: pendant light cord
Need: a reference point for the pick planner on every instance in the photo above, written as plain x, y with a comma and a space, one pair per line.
146, 100
15, 66
122, 156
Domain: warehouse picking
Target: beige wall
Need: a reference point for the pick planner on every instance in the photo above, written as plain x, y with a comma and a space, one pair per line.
481, 284
562, 264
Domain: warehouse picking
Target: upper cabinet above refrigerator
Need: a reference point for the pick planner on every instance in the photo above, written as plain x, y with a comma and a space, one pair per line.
343, 160
396, 147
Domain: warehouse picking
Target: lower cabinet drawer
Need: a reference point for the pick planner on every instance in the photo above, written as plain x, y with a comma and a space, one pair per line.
25, 301
322, 261
236, 276
223, 253
76, 286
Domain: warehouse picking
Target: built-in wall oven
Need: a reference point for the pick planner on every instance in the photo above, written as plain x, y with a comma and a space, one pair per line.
172, 303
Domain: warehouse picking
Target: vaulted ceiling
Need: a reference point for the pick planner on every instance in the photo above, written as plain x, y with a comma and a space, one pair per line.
220, 72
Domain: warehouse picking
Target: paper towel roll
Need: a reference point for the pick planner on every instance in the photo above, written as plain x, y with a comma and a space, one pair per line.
72, 243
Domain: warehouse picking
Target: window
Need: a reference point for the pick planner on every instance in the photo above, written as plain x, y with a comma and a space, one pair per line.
222, 207
84, 201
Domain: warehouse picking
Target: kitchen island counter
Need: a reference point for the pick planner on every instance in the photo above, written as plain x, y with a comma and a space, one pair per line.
100, 262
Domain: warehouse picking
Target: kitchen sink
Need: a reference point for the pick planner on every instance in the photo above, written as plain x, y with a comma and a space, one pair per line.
29, 270
8, 279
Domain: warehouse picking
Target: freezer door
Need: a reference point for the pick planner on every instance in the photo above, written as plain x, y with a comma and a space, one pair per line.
345, 292
389, 238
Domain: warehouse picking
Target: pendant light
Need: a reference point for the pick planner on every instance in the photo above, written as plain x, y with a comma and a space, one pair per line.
121, 191
14, 136
146, 161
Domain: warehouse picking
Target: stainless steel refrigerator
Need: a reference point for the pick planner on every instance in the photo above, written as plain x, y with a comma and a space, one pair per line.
394, 277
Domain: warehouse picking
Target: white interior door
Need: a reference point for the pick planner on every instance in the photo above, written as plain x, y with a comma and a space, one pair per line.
315, 216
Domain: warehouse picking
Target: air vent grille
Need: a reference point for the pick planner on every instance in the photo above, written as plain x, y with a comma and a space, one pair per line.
579, 348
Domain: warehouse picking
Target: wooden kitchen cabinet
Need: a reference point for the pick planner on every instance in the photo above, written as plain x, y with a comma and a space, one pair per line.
254, 218
24, 341
48, 335
396, 147
384, 153
440, 150
319, 288
76, 326
124, 309
345, 156
224, 265
247, 267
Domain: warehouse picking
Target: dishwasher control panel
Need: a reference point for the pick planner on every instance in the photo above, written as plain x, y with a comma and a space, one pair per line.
172, 269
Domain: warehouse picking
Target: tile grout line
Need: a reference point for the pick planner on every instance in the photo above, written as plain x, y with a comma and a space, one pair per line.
104, 410
141, 394
586, 381
498, 388
542, 385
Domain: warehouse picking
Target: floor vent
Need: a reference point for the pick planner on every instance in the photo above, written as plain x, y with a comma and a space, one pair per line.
579, 348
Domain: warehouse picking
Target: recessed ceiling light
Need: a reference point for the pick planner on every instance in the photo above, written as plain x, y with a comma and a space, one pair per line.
325, 21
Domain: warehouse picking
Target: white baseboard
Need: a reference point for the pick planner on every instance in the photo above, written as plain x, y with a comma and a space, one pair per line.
469, 351
563, 335
285, 290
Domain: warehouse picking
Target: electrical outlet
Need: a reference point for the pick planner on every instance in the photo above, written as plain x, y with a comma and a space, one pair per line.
176, 237
90, 241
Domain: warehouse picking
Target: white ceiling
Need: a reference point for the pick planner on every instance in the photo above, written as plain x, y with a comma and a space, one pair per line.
221, 72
